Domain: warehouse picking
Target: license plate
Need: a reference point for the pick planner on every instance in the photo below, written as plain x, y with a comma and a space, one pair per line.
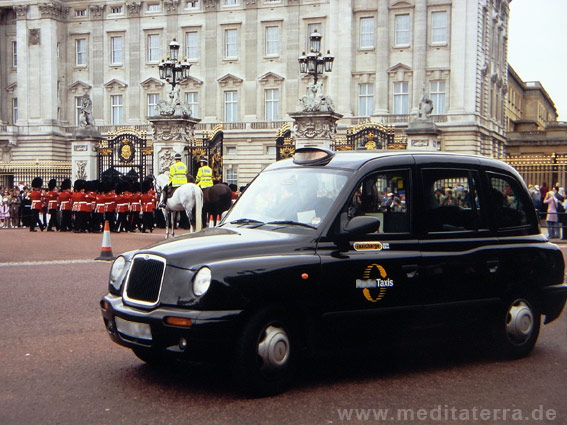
133, 329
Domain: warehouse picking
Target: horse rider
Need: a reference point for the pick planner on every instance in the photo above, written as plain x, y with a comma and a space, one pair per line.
204, 177
177, 177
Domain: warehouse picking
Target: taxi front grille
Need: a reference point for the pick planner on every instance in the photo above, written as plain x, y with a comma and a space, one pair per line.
144, 281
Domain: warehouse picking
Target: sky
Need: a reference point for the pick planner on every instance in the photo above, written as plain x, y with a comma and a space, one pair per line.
537, 46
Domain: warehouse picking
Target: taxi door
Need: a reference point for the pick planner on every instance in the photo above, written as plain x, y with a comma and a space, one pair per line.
371, 281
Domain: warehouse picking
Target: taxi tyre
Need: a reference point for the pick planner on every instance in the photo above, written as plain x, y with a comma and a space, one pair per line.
264, 358
151, 356
516, 328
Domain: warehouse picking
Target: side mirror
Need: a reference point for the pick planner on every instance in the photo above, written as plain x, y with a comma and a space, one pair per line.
360, 225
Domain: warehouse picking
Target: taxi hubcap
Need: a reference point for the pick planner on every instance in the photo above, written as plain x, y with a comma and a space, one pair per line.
519, 322
273, 348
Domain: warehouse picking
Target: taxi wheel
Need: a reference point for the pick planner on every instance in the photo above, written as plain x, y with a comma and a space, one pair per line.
516, 327
150, 356
264, 356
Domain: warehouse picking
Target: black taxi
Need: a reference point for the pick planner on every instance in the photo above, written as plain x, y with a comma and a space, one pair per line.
329, 249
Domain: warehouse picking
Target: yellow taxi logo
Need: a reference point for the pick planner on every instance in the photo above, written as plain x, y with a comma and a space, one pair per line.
374, 278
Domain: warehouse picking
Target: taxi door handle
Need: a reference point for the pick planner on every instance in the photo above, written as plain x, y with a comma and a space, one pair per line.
492, 265
411, 270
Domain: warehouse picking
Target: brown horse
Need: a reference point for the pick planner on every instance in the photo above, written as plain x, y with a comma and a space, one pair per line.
216, 200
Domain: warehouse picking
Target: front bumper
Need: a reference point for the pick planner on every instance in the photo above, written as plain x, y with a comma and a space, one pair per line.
553, 300
210, 332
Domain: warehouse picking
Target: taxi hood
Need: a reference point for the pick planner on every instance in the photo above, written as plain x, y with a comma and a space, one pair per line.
218, 244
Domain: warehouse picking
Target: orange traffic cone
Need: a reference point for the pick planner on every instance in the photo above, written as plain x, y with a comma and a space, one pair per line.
218, 219
211, 221
106, 249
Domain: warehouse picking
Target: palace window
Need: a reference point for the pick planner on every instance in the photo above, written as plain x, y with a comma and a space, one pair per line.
192, 45
365, 99
116, 44
117, 109
231, 44
401, 98
439, 27
402, 30
153, 100
14, 110
14, 54
153, 50
81, 52
230, 106
192, 99
438, 96
272, 102
367, 33
272, 41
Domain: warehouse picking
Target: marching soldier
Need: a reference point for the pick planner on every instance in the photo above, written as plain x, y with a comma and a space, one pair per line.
122, 206
110, 206
36, 204
135, 207
99, 209
52, 199
66, 206
148, 200
78, 198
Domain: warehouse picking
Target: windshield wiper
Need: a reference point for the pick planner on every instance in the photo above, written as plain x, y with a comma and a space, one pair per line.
246, 221
292, 223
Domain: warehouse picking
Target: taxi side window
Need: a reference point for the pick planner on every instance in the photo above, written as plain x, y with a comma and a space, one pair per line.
384, 195
508, 207
451, 200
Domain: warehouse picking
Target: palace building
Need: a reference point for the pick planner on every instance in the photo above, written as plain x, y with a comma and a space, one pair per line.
244, 75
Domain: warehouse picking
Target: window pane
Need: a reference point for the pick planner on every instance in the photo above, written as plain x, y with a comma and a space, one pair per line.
439, 27
383, 195
153, 100
116, 49
230, 106
402, 30
401, 98
272, 98
192, 45
231, 43
14, 54
366, 33
192, 99
272, 40
116, 109
365, 99
14, 110
438, 96
506, 201
153, 48
78, 107
81, 52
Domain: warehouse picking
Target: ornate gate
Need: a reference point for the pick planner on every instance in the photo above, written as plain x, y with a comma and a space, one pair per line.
365, 136
285, 143
125, 153
210, 147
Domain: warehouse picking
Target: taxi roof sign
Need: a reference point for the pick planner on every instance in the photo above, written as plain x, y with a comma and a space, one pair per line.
312, 156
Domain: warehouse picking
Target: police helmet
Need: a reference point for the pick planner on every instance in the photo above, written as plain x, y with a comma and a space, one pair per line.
177, 156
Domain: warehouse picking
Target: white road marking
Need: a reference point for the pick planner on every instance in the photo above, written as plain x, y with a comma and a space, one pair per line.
47, 263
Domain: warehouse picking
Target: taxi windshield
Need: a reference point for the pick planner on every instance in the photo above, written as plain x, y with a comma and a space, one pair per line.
297, 196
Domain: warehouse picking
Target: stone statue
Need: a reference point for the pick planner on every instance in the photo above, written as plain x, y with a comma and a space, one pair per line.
425, 107
174, 106
86, 111
315, 100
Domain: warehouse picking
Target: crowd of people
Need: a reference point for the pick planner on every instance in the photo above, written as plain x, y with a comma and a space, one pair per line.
551, 203
128, 206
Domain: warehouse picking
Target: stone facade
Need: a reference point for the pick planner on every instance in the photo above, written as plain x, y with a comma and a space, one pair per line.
245, 71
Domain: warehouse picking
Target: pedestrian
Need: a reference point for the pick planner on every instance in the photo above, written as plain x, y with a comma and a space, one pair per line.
552, 218
36, 204
543, 191
5, 213
25, 207
15, 202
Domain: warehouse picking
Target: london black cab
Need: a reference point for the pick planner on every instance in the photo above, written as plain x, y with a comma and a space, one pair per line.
328, 249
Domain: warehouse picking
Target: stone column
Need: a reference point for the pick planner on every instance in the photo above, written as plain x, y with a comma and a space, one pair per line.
84, 154
171, 135
423, 135
315, 128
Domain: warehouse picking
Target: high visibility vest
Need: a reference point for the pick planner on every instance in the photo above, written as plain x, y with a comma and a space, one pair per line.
178, 174
204, 177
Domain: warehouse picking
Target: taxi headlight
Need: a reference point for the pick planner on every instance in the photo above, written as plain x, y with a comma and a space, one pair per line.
117, 274
202, 281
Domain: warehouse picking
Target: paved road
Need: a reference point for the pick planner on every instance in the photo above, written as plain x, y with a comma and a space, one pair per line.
58, 366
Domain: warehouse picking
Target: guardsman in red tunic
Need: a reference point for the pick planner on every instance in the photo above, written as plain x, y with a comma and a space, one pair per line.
36, 203
135, 207
88, 205
52, 199
99, 209
110, 206
148, 200
66, 206
122, 206
78, 199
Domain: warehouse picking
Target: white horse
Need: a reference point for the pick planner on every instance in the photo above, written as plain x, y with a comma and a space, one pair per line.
184, 198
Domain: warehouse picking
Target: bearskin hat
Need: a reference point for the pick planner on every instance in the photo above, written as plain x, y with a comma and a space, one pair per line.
135, 187
146, 185
79, 185
52, 183
66, 184
37, 182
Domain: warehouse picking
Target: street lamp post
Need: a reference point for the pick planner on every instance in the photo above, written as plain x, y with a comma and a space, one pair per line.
172, 69
314, 63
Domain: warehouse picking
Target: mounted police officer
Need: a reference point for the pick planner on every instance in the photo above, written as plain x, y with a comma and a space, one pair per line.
177, 177
204, 177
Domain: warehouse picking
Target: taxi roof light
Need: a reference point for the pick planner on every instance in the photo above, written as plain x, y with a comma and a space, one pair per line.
312, 156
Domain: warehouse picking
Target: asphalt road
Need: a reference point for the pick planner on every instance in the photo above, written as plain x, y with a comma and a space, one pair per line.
58, 366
